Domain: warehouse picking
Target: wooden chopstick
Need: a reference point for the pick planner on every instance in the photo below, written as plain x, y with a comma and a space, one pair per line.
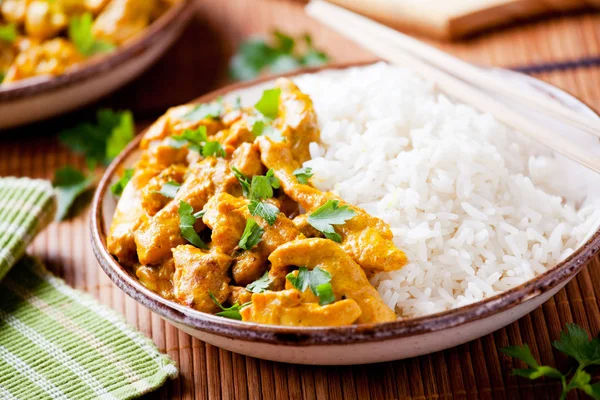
376, 38
476, 76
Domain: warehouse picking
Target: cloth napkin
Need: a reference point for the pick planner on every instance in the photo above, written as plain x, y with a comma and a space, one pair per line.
56, 342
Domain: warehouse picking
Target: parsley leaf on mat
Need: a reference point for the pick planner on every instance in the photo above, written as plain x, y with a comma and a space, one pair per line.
187, 219
252, 235
69, 184
118, 187
282, 53
329, 214
575, 342
232, 312
261, 284
80, 33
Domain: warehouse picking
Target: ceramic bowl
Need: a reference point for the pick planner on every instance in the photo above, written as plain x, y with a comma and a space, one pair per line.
343, 345
42, 97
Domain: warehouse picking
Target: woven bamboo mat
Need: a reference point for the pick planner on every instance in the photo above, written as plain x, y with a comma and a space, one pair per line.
196, 65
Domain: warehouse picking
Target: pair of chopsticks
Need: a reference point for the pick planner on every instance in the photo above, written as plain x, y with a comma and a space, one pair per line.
463, 81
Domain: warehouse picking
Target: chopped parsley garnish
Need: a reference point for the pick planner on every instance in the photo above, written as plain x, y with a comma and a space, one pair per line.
268, 105
303, 175
281, 54
102, 141
80, 33
261, 284
213, 149
118, 187
8, 32
212, 110
252, 235
262, 186
169, 189
318, 280
69, 184
265, 210
197, 140
243, 180
187, 219
232, 312
575, 343
329, 214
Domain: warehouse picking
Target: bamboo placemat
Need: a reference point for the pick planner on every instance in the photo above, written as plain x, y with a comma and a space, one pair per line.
196, 65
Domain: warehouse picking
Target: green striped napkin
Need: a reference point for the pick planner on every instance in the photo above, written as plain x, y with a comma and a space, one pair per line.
56, 342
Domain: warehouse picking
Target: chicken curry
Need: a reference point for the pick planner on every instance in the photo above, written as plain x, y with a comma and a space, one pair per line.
46, 37
220, 215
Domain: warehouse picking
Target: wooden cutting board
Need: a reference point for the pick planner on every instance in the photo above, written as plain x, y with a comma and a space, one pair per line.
451, 19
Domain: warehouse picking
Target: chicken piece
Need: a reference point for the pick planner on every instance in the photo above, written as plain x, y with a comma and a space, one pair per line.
128, 216
251, 264
297, 120
44, 20
95, 6
121, 20
158, 234
246, 158
224, 216
367, 239
239, 295
162, 155
286, 308
152, 199
197, 274
348, 280
14, 11
158, 279
52, 57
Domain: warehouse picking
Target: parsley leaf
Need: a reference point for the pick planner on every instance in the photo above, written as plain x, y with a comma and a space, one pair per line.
282, 53
212, 110
80, 33
252, 235
8, 33
232, 312
169, 189
265, 210
576, 343
329, 214
118, 187
261, 284
213, 149
303, 175
262, 186
187, 219
69, 184
243, 180
318, 280
268, 105
102, 141
261, 127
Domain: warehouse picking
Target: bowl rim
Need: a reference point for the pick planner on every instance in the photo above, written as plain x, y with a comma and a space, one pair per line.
182, 11
304, 336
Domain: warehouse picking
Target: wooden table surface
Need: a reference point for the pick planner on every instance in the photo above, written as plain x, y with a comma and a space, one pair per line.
196, 65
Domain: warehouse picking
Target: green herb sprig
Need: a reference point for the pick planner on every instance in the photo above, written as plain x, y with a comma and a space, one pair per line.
8, 32
80, 33
232, 312
169, 189
266, 111
317, 279
574, 342
303, 175
118, 187
282, 53
252, 235
261, 284
69, 183
187, 219
197, 140
329, 214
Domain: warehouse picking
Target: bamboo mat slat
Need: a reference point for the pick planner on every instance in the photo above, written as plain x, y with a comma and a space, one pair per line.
475, 370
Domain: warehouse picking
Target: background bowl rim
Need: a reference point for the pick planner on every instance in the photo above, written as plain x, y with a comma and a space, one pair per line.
88, 69
304, 336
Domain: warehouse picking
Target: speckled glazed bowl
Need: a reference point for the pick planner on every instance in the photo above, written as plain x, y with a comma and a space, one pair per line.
346, 345
42, 97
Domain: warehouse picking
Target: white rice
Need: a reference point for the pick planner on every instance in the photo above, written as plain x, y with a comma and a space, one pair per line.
475, 207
